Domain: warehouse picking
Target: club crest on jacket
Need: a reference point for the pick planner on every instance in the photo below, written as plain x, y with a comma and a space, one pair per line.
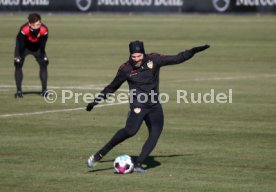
137, 110
150, 64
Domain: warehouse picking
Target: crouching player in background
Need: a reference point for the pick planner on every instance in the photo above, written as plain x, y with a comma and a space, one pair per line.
31, 40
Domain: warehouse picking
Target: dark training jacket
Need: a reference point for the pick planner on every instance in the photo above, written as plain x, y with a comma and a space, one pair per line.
144, 79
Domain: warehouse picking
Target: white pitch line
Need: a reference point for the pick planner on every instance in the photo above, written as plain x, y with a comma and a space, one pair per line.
92, 87
55, 111
55, 87
101, 86
225, 78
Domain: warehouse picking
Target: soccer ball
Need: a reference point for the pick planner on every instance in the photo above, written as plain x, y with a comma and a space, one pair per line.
123, 164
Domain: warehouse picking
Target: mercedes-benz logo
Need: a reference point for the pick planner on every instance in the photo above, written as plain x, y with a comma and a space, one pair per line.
221, 5
83, 5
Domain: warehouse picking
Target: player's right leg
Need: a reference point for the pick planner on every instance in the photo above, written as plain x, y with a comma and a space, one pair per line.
133, 124
119, 137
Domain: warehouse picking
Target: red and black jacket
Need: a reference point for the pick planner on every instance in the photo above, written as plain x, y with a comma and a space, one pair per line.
24, 40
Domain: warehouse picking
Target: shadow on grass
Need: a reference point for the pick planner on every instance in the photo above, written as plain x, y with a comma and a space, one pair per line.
31, 92
149, 163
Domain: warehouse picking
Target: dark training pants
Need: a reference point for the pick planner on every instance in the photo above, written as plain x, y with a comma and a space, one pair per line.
43, 73
154, 120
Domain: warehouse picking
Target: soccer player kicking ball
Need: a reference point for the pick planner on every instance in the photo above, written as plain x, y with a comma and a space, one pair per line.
141, 71
31, 40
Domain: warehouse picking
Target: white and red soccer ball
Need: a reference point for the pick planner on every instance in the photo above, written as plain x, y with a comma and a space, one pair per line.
123, 164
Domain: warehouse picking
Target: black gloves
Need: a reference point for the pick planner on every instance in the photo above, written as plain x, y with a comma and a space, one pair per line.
90, 106
96, 101
199, 49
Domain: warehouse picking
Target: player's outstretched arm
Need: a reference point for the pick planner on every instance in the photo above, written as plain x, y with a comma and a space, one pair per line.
182, 56
111, 88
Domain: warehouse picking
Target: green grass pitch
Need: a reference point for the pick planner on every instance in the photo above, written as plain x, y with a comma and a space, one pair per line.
204, 147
